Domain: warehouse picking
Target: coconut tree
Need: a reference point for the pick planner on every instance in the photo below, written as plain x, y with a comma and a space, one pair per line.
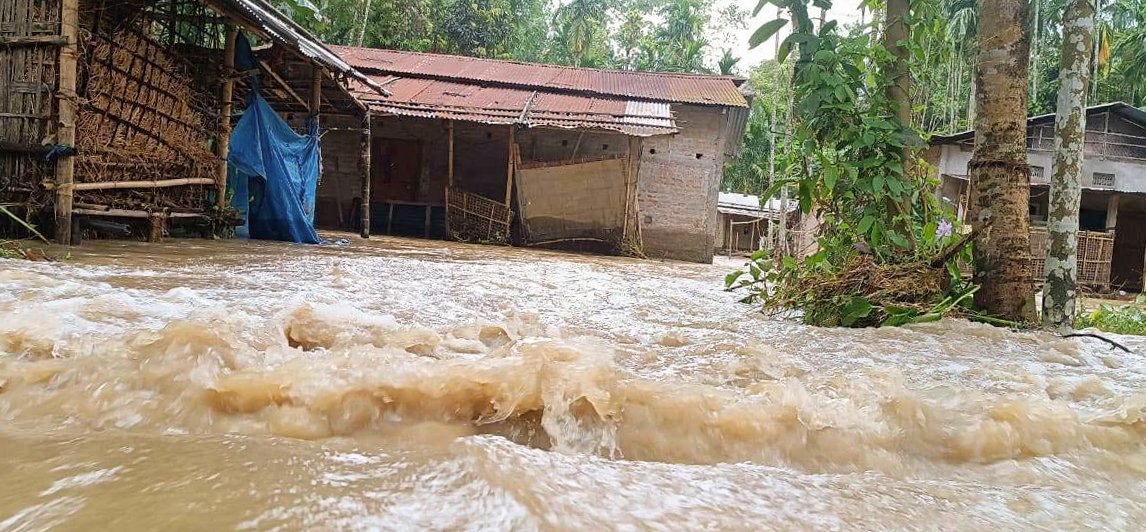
1069, 141
999, 173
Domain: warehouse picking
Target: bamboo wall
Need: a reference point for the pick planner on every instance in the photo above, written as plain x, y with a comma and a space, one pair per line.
29, 34
145, 114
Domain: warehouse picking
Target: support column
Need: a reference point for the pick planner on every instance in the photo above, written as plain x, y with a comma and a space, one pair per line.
1112, 212
509, 170
364, 163
66, 132
450, 160
226, 109
316, 93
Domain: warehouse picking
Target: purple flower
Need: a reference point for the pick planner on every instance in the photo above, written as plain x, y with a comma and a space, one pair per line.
944, 230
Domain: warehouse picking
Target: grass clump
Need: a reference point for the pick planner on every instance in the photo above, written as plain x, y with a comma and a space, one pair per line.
1125, 319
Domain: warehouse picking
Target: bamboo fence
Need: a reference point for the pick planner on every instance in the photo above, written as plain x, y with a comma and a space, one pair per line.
29, 40
144, 119
1095, 254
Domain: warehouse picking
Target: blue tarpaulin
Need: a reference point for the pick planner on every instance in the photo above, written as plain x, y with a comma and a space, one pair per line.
273, 173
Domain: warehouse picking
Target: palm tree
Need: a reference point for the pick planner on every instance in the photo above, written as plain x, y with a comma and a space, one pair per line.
1065, 189
579, 23
962, 30
999, 175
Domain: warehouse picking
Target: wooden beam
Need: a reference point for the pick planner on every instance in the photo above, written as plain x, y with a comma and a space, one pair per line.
35, 40
450, 164
66, 109
125, 213
509, 169
316, 92
225, 111
364, 162
286, 86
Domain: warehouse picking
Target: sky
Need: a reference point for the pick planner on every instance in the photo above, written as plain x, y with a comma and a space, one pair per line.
844, 11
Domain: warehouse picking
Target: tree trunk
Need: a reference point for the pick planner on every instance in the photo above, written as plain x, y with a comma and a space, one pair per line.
896, 33
365, 19
999, 170
1066, 189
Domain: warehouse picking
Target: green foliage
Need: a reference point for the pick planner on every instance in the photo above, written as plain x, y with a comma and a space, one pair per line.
844, 163
1126, 319
663, 35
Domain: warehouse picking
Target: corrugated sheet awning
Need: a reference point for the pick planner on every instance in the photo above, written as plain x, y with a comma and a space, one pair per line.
748, 205
655, 86
286, 32
450, 100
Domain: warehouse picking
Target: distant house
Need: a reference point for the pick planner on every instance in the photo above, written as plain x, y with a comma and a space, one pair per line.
485, 150
1112, 247
744, 221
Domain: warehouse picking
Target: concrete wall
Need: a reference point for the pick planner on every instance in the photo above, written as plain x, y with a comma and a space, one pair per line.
1116, 153
678, 184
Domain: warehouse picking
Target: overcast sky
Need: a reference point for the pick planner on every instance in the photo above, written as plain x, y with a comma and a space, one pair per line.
842, 10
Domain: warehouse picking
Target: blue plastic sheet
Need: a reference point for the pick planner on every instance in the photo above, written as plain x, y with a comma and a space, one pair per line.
273, 175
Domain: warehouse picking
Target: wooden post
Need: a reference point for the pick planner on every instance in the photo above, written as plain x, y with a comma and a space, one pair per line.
155, 227
66, 133
316, 93
364, 162
450, 160
225, 112
427, 228
1112, 212
509, 170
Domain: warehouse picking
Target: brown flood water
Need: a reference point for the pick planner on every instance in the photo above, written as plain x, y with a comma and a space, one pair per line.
403, 384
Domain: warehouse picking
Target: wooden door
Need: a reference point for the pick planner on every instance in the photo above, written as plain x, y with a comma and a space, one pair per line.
395, 170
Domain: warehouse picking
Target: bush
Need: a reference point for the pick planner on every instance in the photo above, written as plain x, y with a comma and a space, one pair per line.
1127, 319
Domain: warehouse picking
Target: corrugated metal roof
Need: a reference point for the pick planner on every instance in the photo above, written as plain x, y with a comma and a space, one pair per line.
280, 28
450, 100
664, 87
1122, 109
748, 205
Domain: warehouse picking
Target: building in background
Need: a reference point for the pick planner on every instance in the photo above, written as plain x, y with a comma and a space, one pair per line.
1112, 218
495, 151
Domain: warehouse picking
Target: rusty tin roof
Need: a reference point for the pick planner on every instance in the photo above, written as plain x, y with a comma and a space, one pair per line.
469, 101
662, 87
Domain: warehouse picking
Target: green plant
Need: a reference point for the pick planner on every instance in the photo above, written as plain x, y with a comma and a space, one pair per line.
888, 249
1125, 319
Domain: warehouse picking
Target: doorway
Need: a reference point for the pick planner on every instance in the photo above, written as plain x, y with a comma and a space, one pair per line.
396, 170
1129, 251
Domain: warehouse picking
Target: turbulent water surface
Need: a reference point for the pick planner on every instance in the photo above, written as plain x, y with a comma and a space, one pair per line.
409, 384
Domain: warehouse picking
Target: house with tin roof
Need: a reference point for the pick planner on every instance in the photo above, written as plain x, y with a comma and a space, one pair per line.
1112, 214
498, 151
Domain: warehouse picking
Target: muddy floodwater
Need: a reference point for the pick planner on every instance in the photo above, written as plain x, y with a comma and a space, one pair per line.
403, 384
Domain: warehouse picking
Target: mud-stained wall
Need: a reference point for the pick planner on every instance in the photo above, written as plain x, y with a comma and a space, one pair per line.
678, 184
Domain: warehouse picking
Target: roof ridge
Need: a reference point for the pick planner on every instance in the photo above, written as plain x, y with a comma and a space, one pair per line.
686, 75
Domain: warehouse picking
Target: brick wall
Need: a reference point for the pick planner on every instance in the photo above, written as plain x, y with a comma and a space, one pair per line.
678, 184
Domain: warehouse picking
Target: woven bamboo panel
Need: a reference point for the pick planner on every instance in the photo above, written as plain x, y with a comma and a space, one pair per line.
1095, 253
474, 218
29, 30
144, 118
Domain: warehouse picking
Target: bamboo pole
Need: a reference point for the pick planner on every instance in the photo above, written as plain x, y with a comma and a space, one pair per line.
316, 93
127, 213
225, 111
509, 170
450, 162
283, 83
108, 185
364, 162
66, 134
